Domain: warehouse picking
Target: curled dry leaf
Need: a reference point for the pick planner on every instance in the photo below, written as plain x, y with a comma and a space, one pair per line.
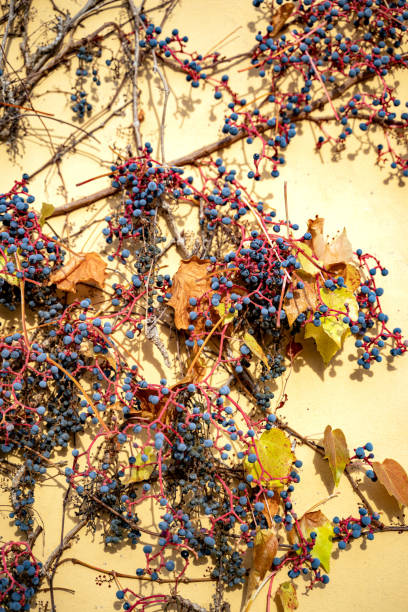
336, 451
339, 250
265, 549
316, 521
86, 268
280, 17
286, 593
303, 299
394, 478
191, 280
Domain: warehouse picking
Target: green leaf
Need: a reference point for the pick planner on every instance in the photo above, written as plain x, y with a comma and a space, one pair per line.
287, 595
46, 211
320, 524
255, 348
142, 470
323, 546
9, 278
336, 451
332, 332
274, 457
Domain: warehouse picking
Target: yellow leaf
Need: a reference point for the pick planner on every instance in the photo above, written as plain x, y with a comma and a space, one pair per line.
142, 470
287, 595
46, 211
274, 459
255, 348
338, 299
307, 265
336, 451
228, 317
331, 333
9, 278
326, 346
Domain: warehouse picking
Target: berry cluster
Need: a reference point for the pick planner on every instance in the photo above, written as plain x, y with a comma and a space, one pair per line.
86, 66
20, 575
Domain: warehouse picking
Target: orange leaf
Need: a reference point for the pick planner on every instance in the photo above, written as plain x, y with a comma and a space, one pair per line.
271, 507
190, 280
308, 522
82, 268
303, 299
394, 478
339, 250
349, 272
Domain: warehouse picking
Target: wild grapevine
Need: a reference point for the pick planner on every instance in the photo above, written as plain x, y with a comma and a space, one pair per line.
220, 472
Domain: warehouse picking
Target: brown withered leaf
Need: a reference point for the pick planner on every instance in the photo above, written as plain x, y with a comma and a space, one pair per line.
394, 478
339, 250
87, 268
286, 593
303, 299
280, 17
191, 280
149, 411
197, 373
336, 451
265, 549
